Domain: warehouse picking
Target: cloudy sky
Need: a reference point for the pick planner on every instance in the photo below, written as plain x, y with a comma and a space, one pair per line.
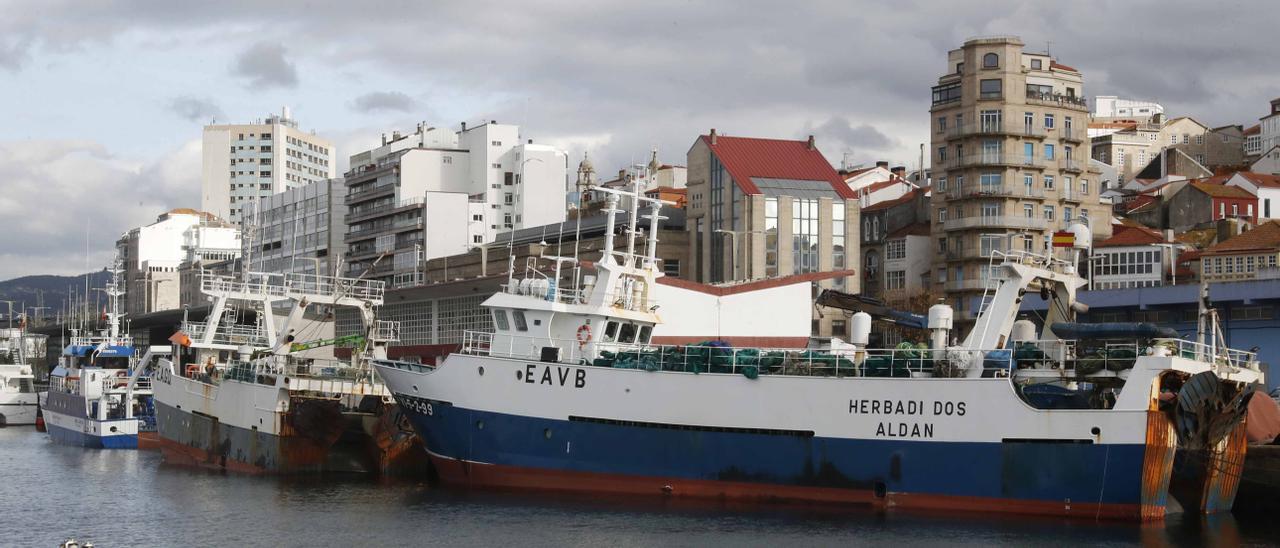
102, 102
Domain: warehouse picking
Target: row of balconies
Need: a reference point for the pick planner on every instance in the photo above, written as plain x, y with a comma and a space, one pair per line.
992, 159
390, 207
1014, 130
996, 221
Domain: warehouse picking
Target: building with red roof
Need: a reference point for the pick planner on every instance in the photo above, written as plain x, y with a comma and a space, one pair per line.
1242, 257
762, 208
1134, 256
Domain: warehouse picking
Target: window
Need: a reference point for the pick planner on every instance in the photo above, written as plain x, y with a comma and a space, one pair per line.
942, 245
1028, 121
1222, 210
942, 123
1200, 139
990, 89
1048, 121
990, 60
895, 279
1235, 210
771, 237
518, 316
942, 215
495, 143
1048, 213
627, 333
1028, 181
1028, 211
837, 238
1186, 138
1036, 64
895, 249
496, 165
1048, 151
942, 154
1251, 313
990, 243
671, 267
610, 331
942, 184
804, 235
508, 198
990, 120
500, 320
645, 332
1066, 214
1048, 182
946, 94
1028, 152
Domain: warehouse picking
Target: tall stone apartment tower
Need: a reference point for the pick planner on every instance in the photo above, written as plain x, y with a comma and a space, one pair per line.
1010, 156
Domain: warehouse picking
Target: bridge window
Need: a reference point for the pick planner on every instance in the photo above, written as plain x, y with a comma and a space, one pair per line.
521, 325
610, 331
627, 334
646, 333
500, 320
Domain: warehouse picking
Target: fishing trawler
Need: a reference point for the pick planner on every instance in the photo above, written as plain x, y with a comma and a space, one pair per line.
100, 392
18, 399
569, 393
246, 397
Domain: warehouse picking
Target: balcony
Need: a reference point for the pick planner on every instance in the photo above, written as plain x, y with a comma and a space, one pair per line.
993, 159
968, 285
1072, 165
994, 191
1077, 135
374, 191
384, 209
1057, 100
995, 221
994, 129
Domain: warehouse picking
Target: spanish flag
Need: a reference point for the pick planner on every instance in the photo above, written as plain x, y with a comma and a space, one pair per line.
1064, 239
180, 339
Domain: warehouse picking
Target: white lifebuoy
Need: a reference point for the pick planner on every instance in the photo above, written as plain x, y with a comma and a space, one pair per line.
584, 334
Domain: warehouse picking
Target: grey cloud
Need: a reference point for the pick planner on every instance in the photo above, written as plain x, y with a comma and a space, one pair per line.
195, 109
264, 65
384, 100
859, 136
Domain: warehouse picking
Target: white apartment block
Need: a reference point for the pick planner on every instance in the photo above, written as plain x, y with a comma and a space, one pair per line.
154, 256
439, 192
1111, 106
245, 162
1269, 128
297, 231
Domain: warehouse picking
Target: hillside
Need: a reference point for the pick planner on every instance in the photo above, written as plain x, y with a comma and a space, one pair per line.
51, 290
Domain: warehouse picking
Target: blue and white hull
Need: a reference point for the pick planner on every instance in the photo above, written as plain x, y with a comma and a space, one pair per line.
67, 423
936, 443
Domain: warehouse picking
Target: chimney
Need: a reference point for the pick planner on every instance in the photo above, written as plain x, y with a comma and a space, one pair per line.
882, 164
713, 136
809, 145
464, 127
1168, 235
900, 171
384, 139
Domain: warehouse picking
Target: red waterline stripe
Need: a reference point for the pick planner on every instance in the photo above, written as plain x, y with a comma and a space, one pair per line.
514, 477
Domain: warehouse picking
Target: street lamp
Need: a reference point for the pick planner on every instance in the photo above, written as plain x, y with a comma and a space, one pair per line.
733, 243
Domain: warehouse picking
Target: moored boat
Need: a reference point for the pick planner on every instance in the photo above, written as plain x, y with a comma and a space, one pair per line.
569, 393
245, 397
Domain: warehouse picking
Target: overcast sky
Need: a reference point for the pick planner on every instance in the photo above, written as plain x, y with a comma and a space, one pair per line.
102, 102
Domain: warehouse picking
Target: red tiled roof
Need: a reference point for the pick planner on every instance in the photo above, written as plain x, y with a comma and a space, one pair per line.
1254, 130
1216, 189
883, 184
1060, 66
910, 195
1188, 257
1262, 179
1130, 235
746, 157
1263, 238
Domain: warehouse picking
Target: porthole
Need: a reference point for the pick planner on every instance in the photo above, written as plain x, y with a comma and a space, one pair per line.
113, 429
480, 370
415, 388
479, 425
519, 375
546, 433
1096, 431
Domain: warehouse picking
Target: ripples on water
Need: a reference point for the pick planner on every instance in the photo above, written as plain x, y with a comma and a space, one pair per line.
130, 498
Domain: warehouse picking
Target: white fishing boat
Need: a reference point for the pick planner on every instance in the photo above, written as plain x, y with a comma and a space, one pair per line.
244, 397
18, 398
568, 393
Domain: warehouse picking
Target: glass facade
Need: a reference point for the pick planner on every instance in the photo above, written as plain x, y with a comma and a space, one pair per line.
804, 235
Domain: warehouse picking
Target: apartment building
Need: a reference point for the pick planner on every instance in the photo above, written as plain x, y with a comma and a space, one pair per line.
766, 208
1111, 107
437, 192
155, 256
1132, 149
1269, 128
1132, 257
1010, 161
1243, 257
297, 231
245, 162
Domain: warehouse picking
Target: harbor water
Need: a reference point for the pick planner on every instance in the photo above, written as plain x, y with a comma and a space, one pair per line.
131, 498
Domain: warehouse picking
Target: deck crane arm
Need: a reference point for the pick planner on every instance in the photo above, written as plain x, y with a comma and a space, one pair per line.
870, 305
